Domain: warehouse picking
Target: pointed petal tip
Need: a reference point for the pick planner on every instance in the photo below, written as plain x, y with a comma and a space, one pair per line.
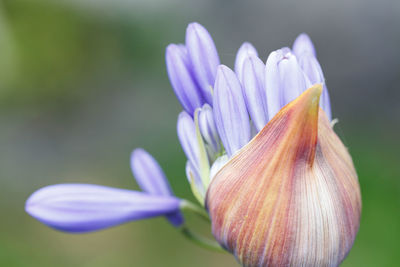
308, 100
194, 24
303, 44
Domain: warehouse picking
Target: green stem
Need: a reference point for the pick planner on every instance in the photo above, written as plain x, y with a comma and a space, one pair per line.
201, 241
186, 205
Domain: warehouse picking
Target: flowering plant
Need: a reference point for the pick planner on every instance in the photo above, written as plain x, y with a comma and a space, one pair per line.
269, 173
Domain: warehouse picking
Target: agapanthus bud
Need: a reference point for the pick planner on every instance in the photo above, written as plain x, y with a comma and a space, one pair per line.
284, 80
304, 50
82, 208
303, 44
196, 184
230, 112
186, 130
291, 196
180, 74
209, 132
203, 56
254, 91
245, 51
151, 179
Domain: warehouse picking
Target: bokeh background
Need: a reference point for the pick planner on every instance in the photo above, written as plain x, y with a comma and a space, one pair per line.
83, 82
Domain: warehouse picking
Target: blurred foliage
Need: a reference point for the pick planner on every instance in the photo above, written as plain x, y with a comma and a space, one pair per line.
57, 50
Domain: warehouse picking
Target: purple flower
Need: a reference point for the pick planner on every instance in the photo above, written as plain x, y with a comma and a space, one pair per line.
203, 56
254, 91
245, 51
230, 112
85, 208
304, 50
82, 208
187, 136
284, 80
303, 44
180, 74
209, 132
152, 179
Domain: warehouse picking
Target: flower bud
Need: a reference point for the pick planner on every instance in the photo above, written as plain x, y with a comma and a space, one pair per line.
254, 91
203, 56
151, 179
209, 131
245, 51
196, 184
186, 130
284, 80
192, 144
291, 196
303, 44
230, 112
180, 74
304, 50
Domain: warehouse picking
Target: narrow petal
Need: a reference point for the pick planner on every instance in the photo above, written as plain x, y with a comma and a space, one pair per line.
273, 83
313, 71
254, 91
284, 80
149, 174
180, 74
326, 102
204, 57
196, 184
152, 179
209, 130
186, 129
303, 44
292, 77
84, 208
245, 51
230, 112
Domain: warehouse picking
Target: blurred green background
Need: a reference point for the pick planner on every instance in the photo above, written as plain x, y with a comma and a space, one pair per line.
83, 82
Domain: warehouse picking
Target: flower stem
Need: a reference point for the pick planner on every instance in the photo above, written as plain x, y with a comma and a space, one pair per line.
201, 241
186, 205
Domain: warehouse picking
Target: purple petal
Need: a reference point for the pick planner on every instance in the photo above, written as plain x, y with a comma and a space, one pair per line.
245, 51
254, 91
273, 83
84, 208
208, 129
192, 173
204, 57
313, 71
152, 179
326, 102
292, 78
303, 44
187, 136
180, 74
149, 174
230, 113
284, 80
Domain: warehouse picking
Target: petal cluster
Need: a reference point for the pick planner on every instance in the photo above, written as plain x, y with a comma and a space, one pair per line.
290, 197
192, 67
225, 109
